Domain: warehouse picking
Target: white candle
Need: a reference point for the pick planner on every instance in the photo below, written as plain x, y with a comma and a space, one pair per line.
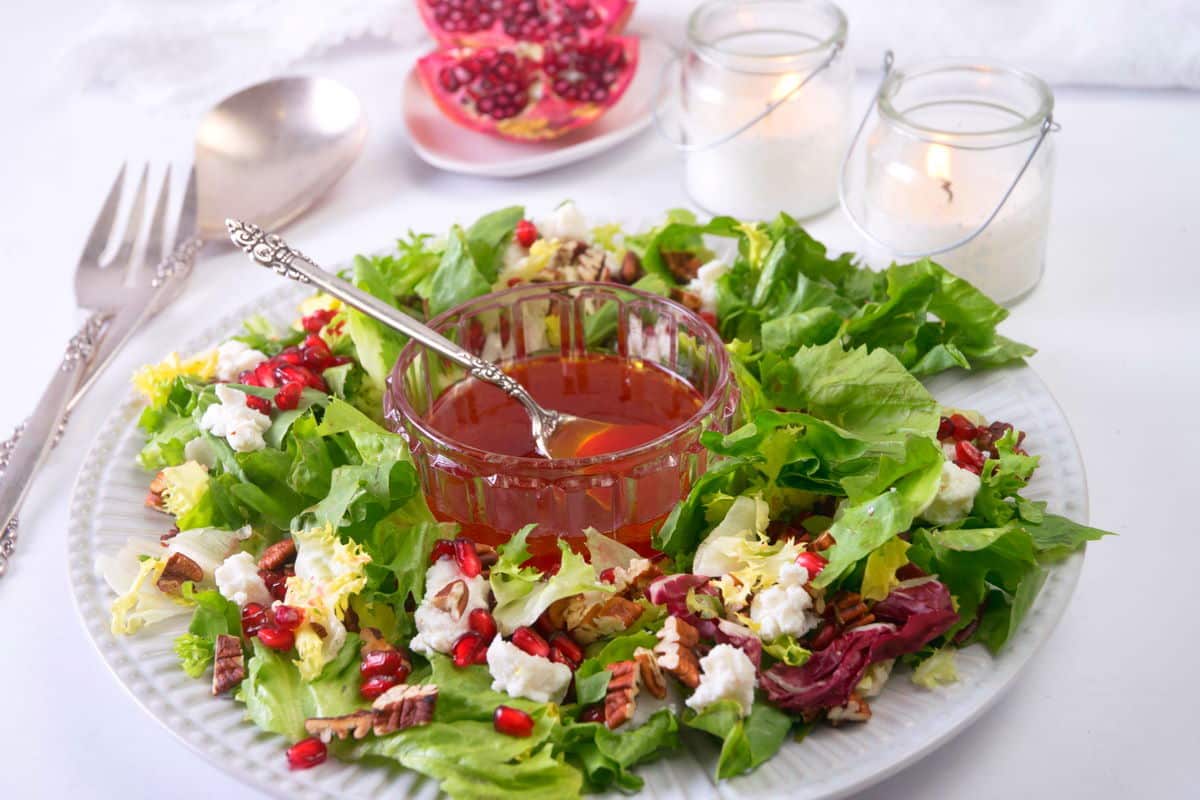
786, 162
926, 196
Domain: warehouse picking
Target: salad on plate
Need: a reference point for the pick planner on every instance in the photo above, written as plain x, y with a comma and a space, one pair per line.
850, 530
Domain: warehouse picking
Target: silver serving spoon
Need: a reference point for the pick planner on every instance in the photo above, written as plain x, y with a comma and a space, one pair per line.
555, 433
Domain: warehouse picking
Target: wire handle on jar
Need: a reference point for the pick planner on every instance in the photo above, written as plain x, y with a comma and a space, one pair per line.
684, 147
1048, 126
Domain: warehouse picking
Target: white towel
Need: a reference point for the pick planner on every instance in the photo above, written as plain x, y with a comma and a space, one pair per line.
184, 54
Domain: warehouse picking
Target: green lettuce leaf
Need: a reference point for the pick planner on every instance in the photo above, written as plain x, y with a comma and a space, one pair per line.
278, 700
521, 594
746, 743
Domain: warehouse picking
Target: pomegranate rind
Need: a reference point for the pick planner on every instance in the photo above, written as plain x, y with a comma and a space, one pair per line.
546, 118
614, 16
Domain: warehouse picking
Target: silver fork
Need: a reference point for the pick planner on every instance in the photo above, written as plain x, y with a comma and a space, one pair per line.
121, 293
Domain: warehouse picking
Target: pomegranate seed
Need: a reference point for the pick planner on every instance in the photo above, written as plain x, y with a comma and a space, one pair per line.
254, 617
288, 397
277, 638
481, 621
544, 626
316, 353
608, 575
968, 457
306, 753
317, 320
963, 428
813, 562
945, 428
531, 642
559, 657
264, 375
288, 373
710, 318
466, 650
288, 617
442, 548
260, 404
382, 662
467, 558
289, 355
512, 721
526, 233
376, 685
276, 583
567, 646
592, 714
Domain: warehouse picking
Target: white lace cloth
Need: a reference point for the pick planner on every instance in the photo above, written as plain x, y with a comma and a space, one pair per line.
183, 54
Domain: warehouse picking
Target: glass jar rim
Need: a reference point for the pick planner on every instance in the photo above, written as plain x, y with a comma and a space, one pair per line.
710, 50
710, 405
1027, 127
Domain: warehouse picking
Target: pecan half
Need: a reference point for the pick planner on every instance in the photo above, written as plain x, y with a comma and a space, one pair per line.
629, 272
682, 265
372, 639
487, 554
452, 599
633, 580
651, 673
277, 555
689, 300
856, 709
850, 611
676, 651
404, 706
154, 498
357, 724
179, 568
228, 665
610, 616
823, 542
621, 700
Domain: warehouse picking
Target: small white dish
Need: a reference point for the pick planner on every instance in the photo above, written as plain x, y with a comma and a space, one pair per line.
442, 143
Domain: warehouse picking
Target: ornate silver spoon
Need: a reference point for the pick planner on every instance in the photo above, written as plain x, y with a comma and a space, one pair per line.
554, 432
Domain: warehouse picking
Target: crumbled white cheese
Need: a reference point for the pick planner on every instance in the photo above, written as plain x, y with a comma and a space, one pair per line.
241, 425
438, 630
565, 222
785, 607
234, 358
201, 451
955, 495
523, 675
727, 673
238, 581
704, 285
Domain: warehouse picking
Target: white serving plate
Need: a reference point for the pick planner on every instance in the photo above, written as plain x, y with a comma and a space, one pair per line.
446, 145
908, 722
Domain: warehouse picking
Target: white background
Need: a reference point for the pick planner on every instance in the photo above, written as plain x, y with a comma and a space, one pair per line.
1106, 710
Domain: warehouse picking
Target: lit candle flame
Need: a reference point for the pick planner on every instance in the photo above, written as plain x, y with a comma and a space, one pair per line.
937, 166
937, 162
785, 86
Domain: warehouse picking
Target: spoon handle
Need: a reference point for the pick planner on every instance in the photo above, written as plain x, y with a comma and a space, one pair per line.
272, 251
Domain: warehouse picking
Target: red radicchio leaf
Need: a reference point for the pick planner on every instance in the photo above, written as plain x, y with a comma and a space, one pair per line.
913, 616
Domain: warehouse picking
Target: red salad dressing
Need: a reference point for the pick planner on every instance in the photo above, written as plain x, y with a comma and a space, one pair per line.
642, 401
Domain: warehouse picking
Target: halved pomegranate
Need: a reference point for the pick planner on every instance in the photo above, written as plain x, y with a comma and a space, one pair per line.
478, 23
530, 92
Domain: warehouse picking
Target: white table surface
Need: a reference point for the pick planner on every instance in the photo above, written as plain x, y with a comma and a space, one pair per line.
1103, 711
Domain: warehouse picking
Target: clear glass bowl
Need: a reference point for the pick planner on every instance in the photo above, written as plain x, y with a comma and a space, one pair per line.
625, 494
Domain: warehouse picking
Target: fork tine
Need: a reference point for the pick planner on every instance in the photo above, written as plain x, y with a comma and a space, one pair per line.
187, 213
156, 244
102, 229
134, 225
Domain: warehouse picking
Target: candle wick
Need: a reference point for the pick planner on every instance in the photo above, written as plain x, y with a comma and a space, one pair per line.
949, 191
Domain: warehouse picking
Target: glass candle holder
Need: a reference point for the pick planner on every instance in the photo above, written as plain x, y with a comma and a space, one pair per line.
960, 149
625, 494
765, 106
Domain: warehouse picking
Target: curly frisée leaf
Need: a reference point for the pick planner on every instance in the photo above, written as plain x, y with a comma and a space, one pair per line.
328, 572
